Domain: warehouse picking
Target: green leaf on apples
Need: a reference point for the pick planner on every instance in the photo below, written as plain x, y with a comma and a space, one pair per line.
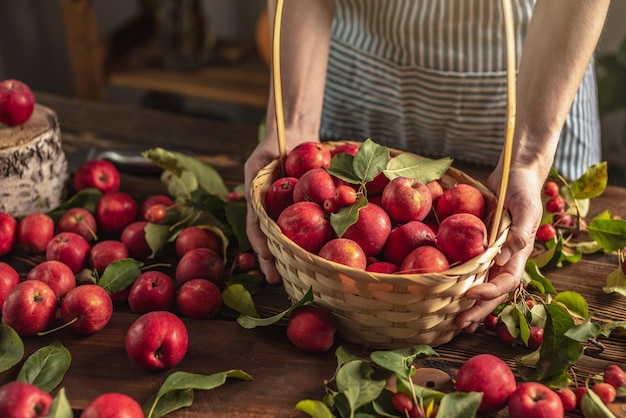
315, 409
584, 331
615, 282
460, 405
592, 183
237, 297
347, 216
250, 322
236, 213
120, 274
341, 166
60, 407
156, 237
574, 302
421, 169
370, 160
180, 187
46, 367
522, 321
85, 198
401, 361
11, 348
182, 383
592, 406
610, 234
354, 381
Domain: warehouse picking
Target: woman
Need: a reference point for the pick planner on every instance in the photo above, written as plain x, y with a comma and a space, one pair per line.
429, 77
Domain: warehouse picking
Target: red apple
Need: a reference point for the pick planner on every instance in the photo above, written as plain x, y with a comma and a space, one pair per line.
23, 400
8, 233
279, 196
105, 252
29, 308
200, 263
69, 248
34, 231
157, 340
193, 237
490, 375
155, 213
199, 299
157, 199
88, 307
348, 148
405, 238
17, 102
613, 375
114, 211
245, 261
605, 392
80, 221
461, 237
312, 328
406, 199
423, 260
317, 185
436, 190
461, 198
568, 398
112, 405
97, 174
536, 337
55, 274
306, 156
545, 232
371, 230
8, 279
533, 399
383, 267
376, 186
344, 251
306, 225
152, 291
134, 239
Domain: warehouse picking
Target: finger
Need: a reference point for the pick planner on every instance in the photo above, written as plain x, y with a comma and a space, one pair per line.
470, 319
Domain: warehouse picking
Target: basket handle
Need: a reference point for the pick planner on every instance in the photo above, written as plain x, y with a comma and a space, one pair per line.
278, 93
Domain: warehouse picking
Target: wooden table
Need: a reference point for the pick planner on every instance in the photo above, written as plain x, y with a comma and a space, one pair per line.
282, 374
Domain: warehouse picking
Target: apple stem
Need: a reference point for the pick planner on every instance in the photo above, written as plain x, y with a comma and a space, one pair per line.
155, 265
50, 331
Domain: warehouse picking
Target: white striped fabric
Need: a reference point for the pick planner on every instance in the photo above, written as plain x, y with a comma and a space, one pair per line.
429, 76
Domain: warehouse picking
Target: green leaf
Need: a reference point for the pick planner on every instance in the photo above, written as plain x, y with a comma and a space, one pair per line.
250, 282
11, 348
347, 216
60, 407
250, 322
120, 274
46, 367
524, 328
460, 405
354, 381
341, 166
510, 318
550, 257
313, 408
370, 160
584, 331
401, 361
421, 169
183, 381
615, 282
236, 215
168, 403
156, 236
237, 297
610, 234
85, 198
574, 302
588, 247
607, 329
592, 406
592, 183
539, 281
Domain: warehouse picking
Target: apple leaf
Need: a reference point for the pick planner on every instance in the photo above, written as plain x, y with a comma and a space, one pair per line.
156, 236
250, 322
237, 297
46, 367
85, 198
120, 274
355, 383
615, 326
615, 282
574, 302
401, 361
60, 407
347, 216
592, 406
421, 169
182, 382
592, 183
314, 408
584, 331
236, 216
533, 277
610, 234
370, 160
250, 282
460, 405
341, 166
11, 348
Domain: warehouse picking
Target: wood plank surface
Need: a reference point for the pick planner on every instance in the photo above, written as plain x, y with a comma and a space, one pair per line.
283, 375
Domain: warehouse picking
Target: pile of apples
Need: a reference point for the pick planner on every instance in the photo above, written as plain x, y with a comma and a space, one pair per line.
406, 226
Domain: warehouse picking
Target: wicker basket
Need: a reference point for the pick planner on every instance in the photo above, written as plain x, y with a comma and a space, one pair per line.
378, 310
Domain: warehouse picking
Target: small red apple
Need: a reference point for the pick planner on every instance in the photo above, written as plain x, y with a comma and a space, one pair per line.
405, 238
279, 196
134, 239
568, 398
406, 199
105, 252
316, 185
29, 308
114, 211
306, 156
34, 231
97, 174
157, 340
200, 263
461, 237
383, 267
17, 102
199, 299
436, 190
88, 307
371, 229
605, 392
152, 291
69, 248
156, 199
461, 198
614, 376
312, 328
80, 221
8, 233
348, 148
55, 274
533, 399
193, 237
545, 232
306, 225
112, 405
23, 400
9, 277
423, 260
490, 375
344, 251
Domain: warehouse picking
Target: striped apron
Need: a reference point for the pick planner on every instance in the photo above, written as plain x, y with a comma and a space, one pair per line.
429, 76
